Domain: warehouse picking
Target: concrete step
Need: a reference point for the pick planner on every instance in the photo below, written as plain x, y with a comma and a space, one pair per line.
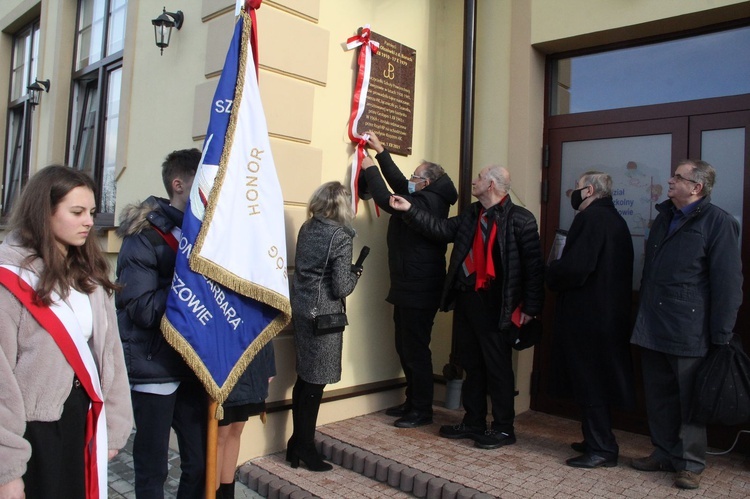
398, 476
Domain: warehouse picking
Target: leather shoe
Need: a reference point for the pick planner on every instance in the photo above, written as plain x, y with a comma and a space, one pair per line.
588, 460
579, 447
492, 439
397, 411
461, 430
687, 480
649, 463
413, 419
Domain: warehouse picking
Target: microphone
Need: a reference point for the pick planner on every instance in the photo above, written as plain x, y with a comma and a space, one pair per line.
362, 255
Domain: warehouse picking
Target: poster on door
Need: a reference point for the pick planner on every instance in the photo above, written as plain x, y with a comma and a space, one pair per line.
639, 167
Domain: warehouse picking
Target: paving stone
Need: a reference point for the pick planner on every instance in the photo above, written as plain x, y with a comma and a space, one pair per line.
450, 490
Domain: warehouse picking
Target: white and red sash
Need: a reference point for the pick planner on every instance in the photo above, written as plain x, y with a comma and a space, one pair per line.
61, 323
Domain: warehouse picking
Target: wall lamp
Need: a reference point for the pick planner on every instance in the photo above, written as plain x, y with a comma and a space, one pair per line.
163, 27
35, 90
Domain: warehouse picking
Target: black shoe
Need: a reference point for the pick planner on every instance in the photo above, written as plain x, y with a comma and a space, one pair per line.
460, 430
591, 461
413, 419
579, 447
398, 411
309, 456
492, 439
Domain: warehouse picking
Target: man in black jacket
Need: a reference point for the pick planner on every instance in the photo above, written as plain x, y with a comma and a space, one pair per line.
164, 390
495, 269
417, 270
691, 291
592, 350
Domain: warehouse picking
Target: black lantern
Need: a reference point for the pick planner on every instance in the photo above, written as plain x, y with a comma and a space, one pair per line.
36, 89
163, 27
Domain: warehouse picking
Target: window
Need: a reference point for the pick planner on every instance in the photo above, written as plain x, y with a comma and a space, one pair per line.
18, 138
700, 67
96, 88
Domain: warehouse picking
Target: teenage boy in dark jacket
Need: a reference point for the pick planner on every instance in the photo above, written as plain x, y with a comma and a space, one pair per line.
164, 390
417, 270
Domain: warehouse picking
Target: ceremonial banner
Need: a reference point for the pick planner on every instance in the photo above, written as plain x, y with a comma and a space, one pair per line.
230, 291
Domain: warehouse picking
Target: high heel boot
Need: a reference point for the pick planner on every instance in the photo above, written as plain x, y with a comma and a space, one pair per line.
303, 445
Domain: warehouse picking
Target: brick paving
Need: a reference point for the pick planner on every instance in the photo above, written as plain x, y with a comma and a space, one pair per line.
122, 477
533, 467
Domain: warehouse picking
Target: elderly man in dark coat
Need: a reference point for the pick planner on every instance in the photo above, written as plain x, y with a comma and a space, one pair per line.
417, 269
690, 294
594, 279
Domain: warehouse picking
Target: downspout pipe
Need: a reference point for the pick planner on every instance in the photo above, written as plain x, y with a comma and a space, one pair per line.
453, 369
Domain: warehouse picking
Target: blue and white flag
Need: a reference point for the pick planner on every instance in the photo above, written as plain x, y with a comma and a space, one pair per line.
230, 291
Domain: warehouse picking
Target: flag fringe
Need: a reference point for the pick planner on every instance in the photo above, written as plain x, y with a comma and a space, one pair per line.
221, 173
188, 353
244, 287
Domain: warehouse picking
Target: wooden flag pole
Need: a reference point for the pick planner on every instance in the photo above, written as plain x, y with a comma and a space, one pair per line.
211, 447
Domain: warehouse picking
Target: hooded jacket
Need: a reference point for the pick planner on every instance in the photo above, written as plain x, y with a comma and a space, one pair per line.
416, 262
145, 266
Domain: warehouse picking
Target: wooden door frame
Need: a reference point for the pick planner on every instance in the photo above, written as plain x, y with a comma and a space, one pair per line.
685, 121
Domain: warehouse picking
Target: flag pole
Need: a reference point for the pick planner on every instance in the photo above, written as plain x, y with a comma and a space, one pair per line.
211, 448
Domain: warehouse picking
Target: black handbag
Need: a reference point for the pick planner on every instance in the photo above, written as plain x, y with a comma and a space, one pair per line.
722, 386
328, 323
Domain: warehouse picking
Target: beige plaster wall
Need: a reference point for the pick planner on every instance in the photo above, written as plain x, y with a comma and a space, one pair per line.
573, 24
306, 81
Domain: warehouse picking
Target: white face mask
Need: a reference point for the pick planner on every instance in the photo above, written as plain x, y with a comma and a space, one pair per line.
412, 187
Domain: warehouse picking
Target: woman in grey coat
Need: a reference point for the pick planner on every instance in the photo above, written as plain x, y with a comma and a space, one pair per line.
323, 276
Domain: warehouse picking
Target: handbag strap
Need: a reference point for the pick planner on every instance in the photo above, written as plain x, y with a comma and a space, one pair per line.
320, 281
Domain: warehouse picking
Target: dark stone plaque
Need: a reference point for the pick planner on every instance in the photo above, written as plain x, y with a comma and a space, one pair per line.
389, 108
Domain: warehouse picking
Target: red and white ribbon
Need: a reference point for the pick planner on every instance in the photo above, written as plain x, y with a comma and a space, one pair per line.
367, 48
62, 324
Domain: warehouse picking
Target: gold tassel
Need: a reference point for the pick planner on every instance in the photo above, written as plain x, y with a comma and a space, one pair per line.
263, 417
219, 412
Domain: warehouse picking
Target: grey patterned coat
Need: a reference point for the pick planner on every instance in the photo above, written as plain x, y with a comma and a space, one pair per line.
319, 357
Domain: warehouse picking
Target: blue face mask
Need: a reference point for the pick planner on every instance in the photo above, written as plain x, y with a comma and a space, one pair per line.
412, 187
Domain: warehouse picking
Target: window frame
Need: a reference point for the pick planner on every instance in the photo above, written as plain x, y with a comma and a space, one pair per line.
20, 105
98, 71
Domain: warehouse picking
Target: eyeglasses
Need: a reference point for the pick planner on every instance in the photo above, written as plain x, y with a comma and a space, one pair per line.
423, 179
679, 177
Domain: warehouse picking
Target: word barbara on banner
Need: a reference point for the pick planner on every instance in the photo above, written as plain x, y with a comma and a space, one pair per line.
230, 291
367, 48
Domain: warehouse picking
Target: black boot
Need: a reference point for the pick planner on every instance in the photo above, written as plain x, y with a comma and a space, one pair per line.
303, 448
296, 425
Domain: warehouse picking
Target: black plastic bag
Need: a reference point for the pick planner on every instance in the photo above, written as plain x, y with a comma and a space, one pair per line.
722, 386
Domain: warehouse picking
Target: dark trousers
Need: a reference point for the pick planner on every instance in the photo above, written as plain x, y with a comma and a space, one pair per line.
185, 410
668, 385
413, 329
486, 357
596, 424
56, 467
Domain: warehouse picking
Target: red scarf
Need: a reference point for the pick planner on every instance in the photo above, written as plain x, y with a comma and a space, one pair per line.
479, 260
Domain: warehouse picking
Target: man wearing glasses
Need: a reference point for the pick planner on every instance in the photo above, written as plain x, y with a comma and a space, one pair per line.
417, 271
690, 293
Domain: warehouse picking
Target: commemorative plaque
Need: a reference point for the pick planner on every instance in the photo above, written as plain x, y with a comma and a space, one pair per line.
389, 106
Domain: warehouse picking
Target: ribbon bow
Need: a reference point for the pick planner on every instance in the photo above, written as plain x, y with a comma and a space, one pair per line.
363, 38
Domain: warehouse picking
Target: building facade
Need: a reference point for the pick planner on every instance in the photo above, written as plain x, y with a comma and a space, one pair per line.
550, 94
